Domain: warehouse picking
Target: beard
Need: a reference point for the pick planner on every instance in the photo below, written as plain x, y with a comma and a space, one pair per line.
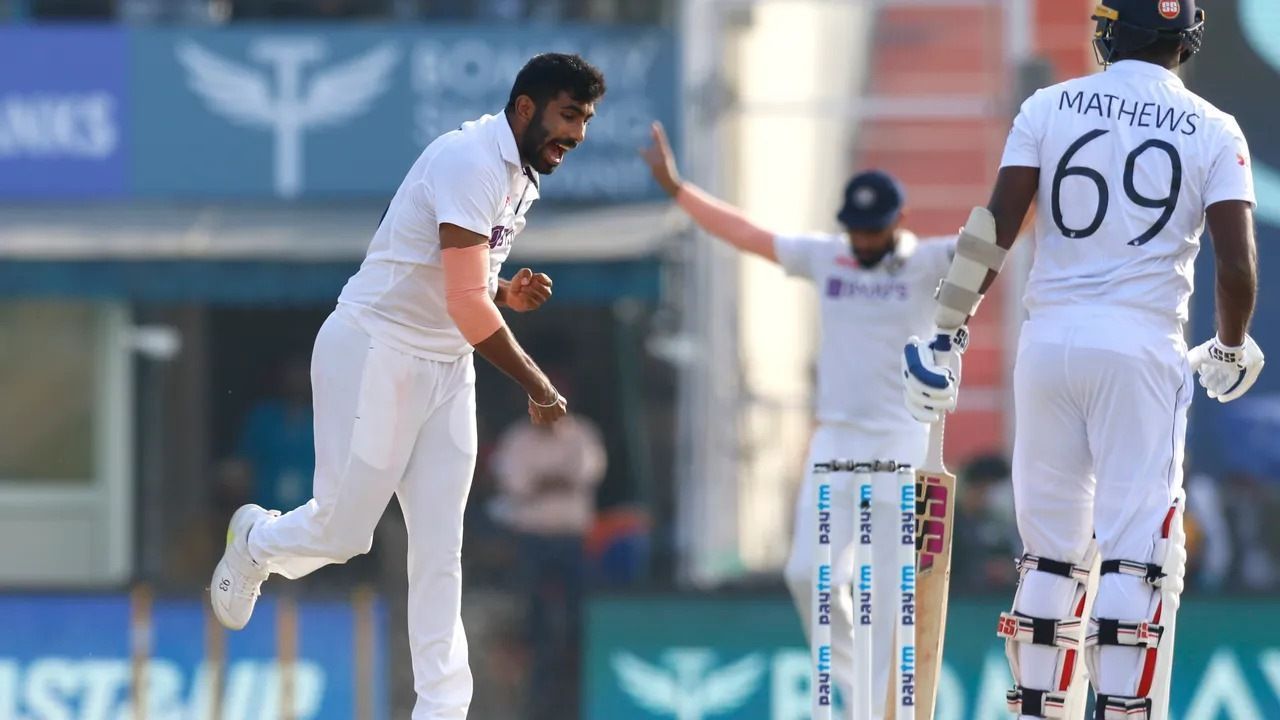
538, 149
870, 258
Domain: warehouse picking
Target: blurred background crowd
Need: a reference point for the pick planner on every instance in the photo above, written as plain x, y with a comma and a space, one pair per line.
165, 265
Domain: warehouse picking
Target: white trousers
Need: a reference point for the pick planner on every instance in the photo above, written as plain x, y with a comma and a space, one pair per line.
1101, 402
387, 422
832, 442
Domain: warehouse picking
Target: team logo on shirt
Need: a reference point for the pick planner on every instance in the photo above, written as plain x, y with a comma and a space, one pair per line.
500, 236
838, 287
1170, 9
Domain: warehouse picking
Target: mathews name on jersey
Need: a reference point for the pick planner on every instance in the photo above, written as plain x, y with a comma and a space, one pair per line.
1129, 159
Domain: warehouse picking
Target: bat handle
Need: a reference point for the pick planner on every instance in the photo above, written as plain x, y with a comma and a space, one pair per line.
933, 458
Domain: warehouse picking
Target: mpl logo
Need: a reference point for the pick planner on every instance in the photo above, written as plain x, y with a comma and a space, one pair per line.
687, 685
243, 94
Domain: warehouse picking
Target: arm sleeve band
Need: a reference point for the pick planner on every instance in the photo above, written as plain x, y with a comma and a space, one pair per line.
466, 292
726, 222
976, 253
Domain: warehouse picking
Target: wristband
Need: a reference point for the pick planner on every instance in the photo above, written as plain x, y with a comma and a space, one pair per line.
554, 402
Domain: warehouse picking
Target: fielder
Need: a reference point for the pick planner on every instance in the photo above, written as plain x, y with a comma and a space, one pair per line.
392, 374
876, 280
1125, 165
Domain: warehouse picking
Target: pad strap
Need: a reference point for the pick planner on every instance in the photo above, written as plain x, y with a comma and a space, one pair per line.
1036, 703
984, 253
1153, 574
1029, 562
1108, 631
1121, 707
1022, 628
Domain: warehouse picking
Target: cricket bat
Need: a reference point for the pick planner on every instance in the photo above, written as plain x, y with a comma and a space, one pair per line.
935, 513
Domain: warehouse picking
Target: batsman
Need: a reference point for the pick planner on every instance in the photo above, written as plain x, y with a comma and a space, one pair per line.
1126, 166
876, 283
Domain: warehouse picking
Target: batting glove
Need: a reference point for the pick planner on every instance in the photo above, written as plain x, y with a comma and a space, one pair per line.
1227, 372
931, 374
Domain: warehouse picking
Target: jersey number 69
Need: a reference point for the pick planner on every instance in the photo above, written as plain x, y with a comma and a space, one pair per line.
1166, 204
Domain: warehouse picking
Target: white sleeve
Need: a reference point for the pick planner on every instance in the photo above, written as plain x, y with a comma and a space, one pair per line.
941, 250
466, 191
796, 253
1022, 149
1230, 172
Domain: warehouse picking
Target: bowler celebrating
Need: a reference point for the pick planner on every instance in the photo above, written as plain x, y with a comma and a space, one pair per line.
392, 375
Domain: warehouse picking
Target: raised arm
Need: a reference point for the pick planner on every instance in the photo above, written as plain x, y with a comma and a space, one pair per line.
714, 216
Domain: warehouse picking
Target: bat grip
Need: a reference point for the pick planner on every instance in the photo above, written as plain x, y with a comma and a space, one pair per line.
933, 458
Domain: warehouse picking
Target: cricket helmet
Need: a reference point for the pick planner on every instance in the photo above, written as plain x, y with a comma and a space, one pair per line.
1126, 26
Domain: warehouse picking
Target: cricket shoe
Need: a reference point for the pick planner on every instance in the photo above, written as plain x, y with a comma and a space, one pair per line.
237, 581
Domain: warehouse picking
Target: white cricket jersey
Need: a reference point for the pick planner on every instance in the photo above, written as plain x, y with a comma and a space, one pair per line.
867, 316
1129, 159
471, 177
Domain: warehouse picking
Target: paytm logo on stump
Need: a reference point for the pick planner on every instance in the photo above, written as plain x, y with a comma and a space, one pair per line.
244, 94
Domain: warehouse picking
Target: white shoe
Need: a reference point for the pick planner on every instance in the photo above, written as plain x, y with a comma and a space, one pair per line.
238, 578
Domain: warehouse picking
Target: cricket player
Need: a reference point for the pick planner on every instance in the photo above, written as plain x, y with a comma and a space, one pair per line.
392, 374
875, 280
1126, 166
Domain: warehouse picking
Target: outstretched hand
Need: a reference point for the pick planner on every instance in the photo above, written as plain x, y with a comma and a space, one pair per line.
661, 161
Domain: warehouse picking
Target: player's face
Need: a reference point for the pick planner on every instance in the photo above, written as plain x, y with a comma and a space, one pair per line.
869, 246
556, 128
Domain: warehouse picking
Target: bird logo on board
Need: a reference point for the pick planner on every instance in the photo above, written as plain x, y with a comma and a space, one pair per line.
688, 685
1170, 9
243, 94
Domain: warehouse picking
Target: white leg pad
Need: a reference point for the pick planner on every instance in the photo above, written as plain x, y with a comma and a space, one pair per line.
1053, 685
1143, 693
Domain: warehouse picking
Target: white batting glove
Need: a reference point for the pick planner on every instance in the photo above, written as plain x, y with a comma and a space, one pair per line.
1227, 372
931, 374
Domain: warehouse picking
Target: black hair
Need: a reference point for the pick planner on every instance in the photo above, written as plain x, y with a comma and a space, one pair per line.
547, 75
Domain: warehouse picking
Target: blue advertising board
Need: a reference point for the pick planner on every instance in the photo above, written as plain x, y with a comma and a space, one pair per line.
708, 658
68, 656
64, 125
299, 111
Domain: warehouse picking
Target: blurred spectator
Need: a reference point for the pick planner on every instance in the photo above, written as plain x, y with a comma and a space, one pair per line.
984, 542
618, 547
277, 441
547, 477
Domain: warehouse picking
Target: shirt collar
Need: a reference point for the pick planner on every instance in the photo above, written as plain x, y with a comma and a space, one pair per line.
506, 139
1145, 69
511, 153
